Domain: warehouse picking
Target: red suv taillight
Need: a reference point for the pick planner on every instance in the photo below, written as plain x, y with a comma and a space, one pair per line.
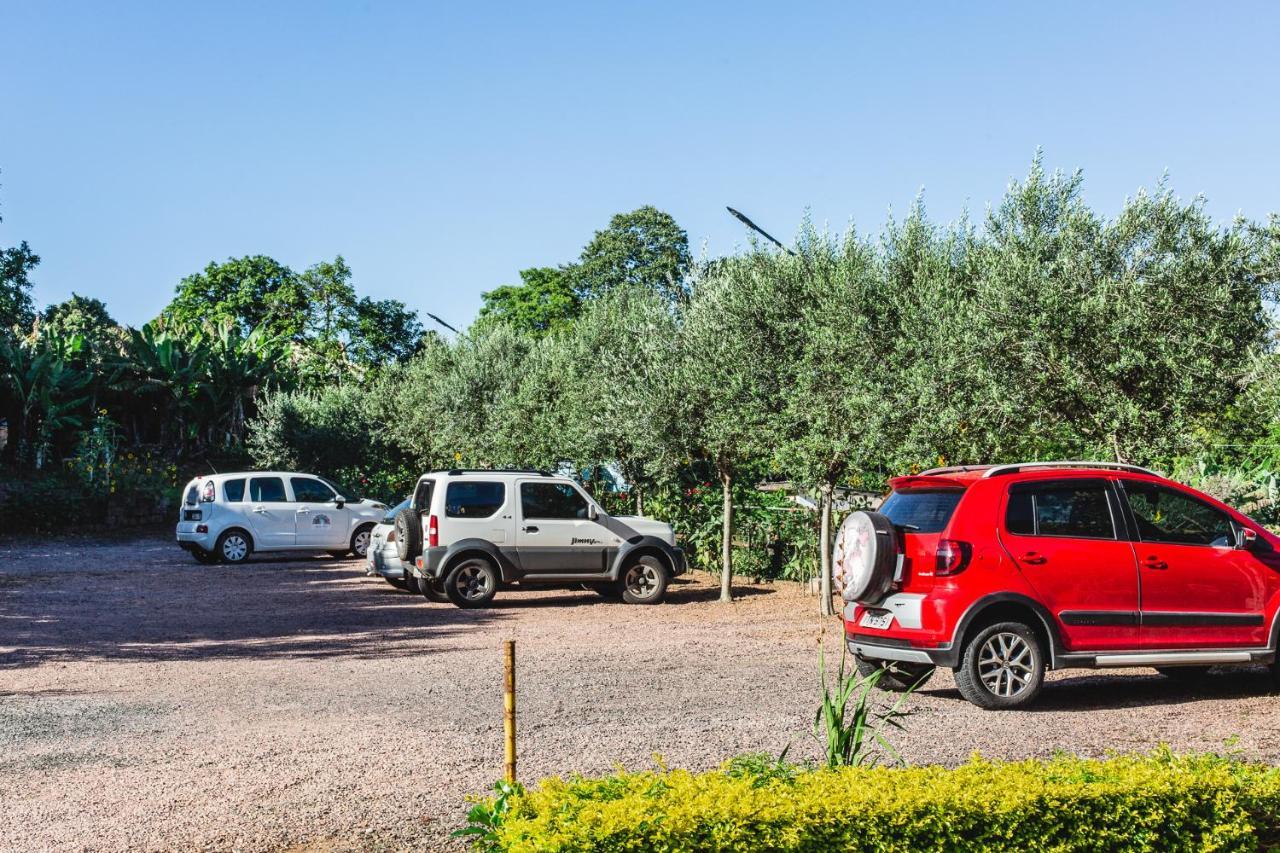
952, 557
433, 533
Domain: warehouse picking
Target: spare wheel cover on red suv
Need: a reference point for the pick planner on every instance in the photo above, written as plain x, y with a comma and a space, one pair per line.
866, 556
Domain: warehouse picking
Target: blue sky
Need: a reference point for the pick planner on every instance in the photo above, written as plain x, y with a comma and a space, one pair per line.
442, 147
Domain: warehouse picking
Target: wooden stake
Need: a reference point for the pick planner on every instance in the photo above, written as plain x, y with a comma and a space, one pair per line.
509, 708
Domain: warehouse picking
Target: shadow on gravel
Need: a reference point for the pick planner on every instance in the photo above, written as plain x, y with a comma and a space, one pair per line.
679, 592
1095, 692
146, 603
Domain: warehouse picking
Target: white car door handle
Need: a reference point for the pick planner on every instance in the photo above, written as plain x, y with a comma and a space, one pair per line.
303, 511
261, 509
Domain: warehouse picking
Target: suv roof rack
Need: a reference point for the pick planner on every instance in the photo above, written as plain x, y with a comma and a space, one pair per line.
997, 470
952, 469
453, 472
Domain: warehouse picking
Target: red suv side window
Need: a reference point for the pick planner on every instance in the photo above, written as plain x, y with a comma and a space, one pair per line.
1077, 509
1169, 516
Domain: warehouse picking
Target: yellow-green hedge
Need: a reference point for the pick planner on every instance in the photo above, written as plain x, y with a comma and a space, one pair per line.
1161, 802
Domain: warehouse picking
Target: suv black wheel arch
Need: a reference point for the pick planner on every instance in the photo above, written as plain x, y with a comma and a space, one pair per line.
640, 546
1006, 607
465, 548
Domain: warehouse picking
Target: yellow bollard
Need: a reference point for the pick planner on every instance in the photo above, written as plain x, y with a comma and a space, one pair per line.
509, 705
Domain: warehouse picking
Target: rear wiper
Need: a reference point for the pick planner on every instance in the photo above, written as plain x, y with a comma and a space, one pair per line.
908, 526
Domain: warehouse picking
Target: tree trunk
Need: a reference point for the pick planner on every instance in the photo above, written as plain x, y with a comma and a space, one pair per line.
824, 549
639, 503
726, 540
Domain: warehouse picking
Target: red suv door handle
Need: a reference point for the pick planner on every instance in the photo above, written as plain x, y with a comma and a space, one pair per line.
1154, 562
1035, 558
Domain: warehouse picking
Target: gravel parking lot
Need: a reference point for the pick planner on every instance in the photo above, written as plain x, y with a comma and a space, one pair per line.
147, 702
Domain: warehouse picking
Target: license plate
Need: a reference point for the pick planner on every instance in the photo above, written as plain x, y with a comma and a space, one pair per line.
878, 620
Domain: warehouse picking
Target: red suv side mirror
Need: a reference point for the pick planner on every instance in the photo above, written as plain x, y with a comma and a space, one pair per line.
1247, 540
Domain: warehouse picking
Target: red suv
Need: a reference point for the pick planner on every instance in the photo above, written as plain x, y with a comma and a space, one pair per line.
1003, 572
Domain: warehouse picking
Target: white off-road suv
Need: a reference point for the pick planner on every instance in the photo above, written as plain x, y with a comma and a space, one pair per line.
226, 517
467, 533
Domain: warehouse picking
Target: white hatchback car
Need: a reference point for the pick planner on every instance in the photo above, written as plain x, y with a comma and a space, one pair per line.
226, 517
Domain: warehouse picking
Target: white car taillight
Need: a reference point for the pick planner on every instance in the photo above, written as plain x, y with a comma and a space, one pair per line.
433, 533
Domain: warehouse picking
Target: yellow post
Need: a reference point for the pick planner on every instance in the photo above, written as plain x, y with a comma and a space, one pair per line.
509, 705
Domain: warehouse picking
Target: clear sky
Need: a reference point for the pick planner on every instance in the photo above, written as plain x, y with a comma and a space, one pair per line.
442, 147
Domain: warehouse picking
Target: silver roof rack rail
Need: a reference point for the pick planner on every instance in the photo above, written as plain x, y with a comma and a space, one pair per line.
997, 470
952, 469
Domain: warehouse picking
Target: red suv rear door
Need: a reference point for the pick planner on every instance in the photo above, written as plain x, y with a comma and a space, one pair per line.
1066, 537
1198, 589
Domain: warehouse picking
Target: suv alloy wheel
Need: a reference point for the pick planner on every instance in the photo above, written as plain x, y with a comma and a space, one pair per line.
1002, 667
471, 583
644, 581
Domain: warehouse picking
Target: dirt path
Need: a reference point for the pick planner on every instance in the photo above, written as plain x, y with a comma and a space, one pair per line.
150, 703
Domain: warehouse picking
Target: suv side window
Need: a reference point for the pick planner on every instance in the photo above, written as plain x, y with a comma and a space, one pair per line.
1079, 510
422, 495
1174, 517
474, 499
307, 490
267, 490
551, 500
233, 490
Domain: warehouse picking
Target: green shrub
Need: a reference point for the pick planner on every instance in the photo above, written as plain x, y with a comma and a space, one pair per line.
1159, 803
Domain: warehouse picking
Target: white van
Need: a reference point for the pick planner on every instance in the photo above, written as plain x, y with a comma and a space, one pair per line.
226, 517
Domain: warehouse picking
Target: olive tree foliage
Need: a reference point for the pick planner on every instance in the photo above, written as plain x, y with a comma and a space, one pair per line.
839, 382
621, 396
740, 330
1122, 338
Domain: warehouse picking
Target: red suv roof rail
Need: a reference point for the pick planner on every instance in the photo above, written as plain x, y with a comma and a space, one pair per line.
952, 469
997, 470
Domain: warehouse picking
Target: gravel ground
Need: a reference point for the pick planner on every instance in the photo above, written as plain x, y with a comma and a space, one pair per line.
149, 703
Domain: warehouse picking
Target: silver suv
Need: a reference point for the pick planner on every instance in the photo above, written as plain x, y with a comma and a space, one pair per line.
465, 534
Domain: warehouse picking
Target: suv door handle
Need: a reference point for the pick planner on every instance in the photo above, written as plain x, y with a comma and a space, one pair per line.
1154, 562
531, 530
1035, 558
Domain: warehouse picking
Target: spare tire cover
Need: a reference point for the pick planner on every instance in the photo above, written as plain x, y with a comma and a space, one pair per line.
865, 556
408, 526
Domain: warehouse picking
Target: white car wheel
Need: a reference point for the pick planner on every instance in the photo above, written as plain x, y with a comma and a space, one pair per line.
360, 542
234, 547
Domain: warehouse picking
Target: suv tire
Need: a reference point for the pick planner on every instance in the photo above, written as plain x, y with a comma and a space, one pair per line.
234, 546
433, 591
408, 535
644, 581
472, 582
1002, 667
897, 677
865, 556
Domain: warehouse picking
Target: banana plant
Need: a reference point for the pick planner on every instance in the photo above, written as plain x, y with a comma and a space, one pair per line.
49, 390
159, 366
236, 368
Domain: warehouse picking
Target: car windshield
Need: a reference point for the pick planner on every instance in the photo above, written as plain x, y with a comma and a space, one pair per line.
921, 511
390, 517
349, 494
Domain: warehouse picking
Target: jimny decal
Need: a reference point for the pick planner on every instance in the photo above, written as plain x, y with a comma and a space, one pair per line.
577, 541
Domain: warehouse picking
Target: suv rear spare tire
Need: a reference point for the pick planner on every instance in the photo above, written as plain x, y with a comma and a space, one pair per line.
408, 535
865, 557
